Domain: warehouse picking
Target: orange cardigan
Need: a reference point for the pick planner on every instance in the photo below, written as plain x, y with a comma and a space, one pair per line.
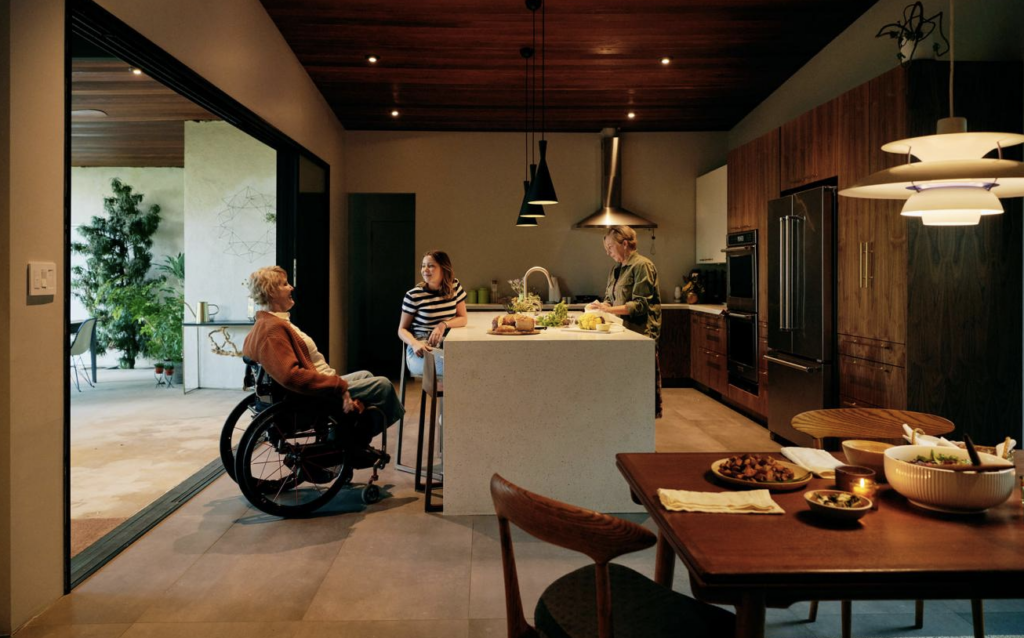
281, 352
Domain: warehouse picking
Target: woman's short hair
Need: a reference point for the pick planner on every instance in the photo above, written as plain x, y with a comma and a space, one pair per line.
444, 262
623, 233
264, 281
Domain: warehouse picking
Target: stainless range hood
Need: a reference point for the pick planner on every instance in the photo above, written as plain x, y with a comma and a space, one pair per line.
611, 212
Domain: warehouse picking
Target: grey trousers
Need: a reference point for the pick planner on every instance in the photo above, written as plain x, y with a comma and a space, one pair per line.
377, 392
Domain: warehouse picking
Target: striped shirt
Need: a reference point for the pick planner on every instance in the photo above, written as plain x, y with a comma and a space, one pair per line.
428, 308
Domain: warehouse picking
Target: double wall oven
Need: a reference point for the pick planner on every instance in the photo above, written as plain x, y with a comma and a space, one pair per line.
741, 298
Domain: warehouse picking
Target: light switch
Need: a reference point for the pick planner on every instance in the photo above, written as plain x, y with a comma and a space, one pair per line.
42, 279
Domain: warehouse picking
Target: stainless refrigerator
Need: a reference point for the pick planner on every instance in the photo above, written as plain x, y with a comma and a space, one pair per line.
801, 308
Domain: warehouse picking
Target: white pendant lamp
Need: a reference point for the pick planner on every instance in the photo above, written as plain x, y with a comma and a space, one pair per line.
952, 184
952, 205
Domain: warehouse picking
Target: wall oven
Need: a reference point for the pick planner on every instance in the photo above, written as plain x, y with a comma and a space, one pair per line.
741, 271
742, 349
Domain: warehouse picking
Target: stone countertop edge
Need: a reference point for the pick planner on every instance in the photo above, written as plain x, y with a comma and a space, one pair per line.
712, 309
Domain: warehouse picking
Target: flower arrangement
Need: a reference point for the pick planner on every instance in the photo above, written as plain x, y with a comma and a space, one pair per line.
524, 300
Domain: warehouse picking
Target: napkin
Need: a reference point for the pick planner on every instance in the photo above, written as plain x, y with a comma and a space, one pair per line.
820, 462
751, 502
1005, 447
924, 439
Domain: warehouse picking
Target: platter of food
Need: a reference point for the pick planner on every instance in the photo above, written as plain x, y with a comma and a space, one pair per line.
512, 325
756, 471
601, 329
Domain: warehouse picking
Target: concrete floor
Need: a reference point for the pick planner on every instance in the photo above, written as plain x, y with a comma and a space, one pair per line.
217, 567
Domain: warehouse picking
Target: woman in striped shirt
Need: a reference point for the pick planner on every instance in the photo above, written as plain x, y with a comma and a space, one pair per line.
428, 310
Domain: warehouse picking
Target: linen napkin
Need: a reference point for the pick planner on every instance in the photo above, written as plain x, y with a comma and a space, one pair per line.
924, 439
820, 462
749, 502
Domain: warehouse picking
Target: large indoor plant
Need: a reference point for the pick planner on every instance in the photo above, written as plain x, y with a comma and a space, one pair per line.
113, 284
162, 315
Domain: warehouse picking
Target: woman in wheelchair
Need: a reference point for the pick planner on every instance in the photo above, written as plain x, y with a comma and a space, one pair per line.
292, 359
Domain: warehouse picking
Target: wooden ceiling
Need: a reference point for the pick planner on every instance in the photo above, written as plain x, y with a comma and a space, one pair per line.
144, 121
455, 64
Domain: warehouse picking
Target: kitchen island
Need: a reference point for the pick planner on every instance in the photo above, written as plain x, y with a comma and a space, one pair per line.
547, 411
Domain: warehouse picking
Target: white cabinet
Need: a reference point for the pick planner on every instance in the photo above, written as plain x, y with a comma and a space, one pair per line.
712, 218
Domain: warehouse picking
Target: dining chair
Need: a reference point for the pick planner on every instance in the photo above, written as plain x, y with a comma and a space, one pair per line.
79, 346
875, 424
603, 599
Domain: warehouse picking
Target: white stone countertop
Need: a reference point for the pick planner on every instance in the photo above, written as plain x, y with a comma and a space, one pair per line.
476, 307
478, 326
713, 309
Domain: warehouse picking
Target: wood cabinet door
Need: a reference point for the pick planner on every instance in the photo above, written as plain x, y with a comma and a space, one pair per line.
674, 345
698, 362
741, 187
717, 372
873, 383
808, 147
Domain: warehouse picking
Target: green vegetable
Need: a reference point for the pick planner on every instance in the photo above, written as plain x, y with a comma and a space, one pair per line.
556, 318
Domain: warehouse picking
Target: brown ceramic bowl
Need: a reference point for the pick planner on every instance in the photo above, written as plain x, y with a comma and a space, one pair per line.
869, 454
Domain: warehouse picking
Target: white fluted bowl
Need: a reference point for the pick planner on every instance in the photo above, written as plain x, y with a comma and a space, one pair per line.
946, 490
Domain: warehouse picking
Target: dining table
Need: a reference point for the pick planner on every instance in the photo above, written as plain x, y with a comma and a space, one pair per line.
755, 561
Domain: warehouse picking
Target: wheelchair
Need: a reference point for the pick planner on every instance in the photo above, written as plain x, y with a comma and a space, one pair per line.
291, 454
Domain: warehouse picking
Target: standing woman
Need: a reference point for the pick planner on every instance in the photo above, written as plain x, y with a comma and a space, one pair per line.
632, 293
428, 310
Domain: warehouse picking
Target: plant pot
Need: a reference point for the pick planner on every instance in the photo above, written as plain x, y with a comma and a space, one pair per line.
169, 371
158, 369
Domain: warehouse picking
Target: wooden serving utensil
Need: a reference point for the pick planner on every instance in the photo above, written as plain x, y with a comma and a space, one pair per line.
971, 451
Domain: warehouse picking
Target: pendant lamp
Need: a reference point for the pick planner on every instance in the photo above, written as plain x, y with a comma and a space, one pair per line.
542, 189
952, 184
528, 211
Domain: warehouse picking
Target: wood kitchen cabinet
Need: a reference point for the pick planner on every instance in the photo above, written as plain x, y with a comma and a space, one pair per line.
674, 346
753, 180
708, 364
808, 147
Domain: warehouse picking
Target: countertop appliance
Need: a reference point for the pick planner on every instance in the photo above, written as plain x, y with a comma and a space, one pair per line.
741, 271
801, 308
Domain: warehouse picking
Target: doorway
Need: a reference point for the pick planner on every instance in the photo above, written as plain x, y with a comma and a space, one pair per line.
382, 258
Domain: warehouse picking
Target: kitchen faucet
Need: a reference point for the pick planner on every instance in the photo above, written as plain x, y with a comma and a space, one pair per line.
553, 292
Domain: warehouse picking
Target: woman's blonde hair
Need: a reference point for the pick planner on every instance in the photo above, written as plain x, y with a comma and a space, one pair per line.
623, 233
264, 281
443, 262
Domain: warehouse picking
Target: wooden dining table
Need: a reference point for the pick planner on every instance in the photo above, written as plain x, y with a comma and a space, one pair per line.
754, 561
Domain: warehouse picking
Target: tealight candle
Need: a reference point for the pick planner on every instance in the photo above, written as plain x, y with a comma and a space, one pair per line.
848, 475
866, 488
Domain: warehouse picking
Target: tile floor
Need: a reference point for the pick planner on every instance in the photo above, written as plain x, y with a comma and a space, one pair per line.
218, 568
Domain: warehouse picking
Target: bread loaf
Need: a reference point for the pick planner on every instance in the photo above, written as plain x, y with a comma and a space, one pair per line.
524, 323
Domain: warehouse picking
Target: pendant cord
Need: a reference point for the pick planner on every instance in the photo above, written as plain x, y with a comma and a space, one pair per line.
952, 57
526, 118
533, 119
543, 69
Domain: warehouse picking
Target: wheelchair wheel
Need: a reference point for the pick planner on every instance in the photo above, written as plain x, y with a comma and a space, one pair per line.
371, 494
235, 425
287, 462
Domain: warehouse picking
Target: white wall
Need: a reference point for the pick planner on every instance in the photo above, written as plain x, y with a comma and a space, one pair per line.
985, 30
229, 177
161, 186
469, 187
232, 43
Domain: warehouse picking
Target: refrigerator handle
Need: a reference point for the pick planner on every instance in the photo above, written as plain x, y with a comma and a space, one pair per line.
785, 310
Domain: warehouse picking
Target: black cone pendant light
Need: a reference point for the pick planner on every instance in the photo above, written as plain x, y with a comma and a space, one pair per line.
528, 213
526, 220
542, 189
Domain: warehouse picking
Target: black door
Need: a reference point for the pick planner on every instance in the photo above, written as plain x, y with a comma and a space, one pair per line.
382, 266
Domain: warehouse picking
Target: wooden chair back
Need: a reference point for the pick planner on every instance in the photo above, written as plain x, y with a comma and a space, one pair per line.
867, 423
599, 536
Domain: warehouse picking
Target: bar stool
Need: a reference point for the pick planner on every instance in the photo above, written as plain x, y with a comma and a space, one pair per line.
432, 387
403, 377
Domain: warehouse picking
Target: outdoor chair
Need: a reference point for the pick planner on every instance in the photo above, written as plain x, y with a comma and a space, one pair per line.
79, 346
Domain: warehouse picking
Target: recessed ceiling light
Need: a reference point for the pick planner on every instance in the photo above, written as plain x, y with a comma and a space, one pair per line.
631, 115
394, 113
666, 61
372, 59
135, 71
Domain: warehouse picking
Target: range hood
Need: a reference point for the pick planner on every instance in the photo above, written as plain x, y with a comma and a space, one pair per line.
611, 212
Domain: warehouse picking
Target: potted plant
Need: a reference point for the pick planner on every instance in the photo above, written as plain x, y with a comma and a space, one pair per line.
912, 30
158, 368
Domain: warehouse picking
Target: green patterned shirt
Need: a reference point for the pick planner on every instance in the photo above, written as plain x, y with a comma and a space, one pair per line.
634, 284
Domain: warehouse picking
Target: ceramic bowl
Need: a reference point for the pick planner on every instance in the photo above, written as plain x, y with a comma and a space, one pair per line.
867, 454
844, 514
604, 327
946, 490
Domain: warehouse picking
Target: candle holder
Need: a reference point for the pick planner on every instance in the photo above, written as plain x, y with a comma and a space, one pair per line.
848, 475
866, 488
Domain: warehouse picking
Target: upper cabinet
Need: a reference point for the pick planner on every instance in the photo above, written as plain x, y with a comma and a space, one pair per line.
753, 181
711, 216
808, 147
